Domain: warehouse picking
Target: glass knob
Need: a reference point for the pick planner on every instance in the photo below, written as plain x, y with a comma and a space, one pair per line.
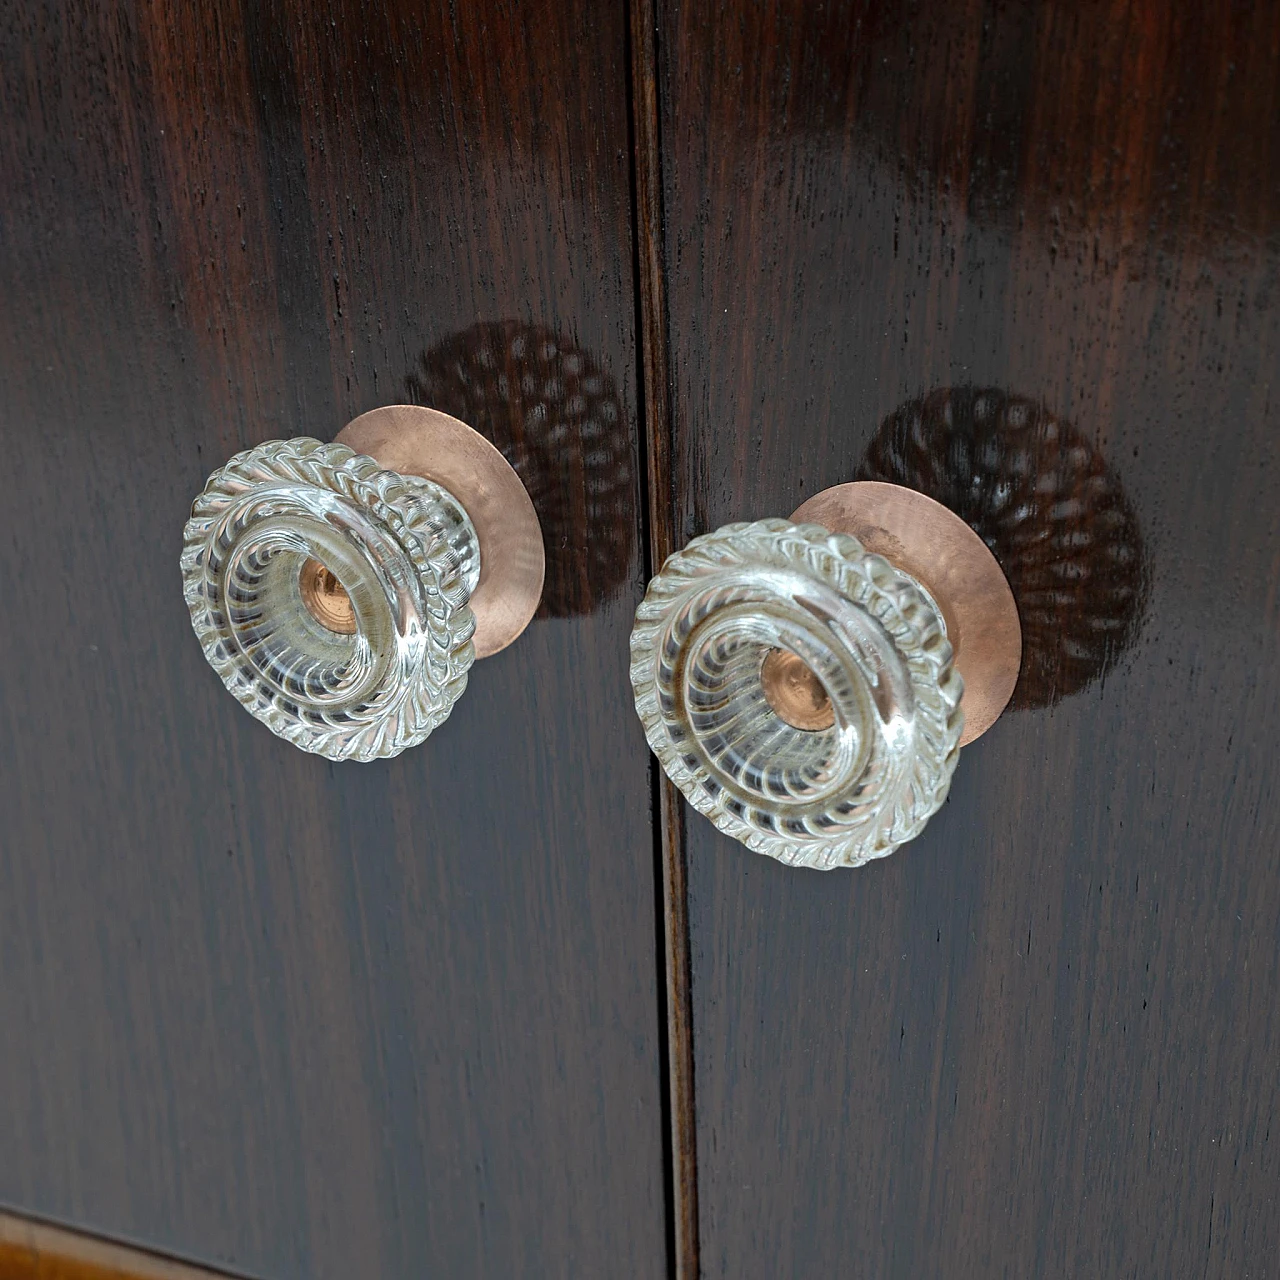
802, 690
340, 600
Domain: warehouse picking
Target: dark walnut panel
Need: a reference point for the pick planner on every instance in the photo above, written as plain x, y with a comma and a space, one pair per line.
293, 1018
1026, 257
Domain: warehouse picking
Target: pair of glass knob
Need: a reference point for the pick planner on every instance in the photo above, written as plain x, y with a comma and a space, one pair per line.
806, 683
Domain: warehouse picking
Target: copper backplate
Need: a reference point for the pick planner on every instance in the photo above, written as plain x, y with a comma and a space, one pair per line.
425, 442
939, 550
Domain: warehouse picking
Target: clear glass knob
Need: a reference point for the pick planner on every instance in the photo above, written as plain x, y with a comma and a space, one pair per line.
332, 596
799, 690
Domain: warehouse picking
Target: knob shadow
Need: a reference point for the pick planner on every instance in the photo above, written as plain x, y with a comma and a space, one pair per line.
556, 417
1041, 497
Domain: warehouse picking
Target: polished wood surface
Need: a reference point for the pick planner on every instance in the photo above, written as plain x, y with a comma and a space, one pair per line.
986, 242
295, 1018
31, 1250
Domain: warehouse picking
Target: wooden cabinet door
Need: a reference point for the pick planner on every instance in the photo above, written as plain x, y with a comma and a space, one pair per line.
295, 1018
1025, 249
302, 1019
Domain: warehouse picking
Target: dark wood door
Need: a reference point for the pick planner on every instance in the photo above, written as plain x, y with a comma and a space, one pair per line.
1024, 256
503, 1005
295, 1018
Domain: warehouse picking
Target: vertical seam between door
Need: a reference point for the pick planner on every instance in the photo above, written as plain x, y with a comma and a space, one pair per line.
658, 510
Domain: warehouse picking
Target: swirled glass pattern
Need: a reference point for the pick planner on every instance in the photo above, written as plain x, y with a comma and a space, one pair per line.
406, 558
869, 633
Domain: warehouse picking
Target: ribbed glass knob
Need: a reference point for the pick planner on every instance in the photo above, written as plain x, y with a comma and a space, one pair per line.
799, 690
332, 596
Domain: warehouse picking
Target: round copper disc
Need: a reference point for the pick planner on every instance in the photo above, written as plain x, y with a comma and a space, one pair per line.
425, 442
937, 548
793, 690
326, 598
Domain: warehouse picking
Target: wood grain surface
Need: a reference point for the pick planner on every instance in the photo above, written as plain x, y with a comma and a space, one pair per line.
299, 1019
31, 1250
1041, 1040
